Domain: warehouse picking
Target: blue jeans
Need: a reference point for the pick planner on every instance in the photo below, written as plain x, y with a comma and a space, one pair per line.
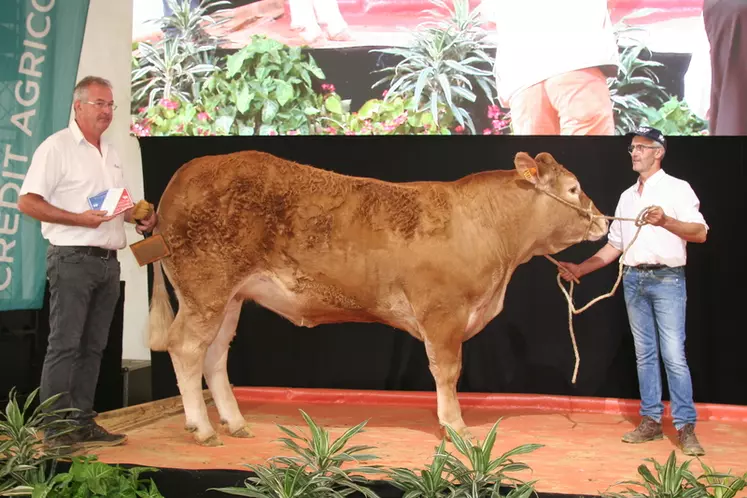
656, 301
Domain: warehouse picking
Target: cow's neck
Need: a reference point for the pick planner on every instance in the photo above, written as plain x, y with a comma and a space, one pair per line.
509, 208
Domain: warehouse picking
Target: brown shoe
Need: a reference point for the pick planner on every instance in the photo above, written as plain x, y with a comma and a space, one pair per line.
648, 430
689, 442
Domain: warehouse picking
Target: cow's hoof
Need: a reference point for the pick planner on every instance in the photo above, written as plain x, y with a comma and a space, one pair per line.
244, 432
212, 441
463, 432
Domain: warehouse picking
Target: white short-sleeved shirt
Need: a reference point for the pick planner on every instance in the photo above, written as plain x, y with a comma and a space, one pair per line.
655, 245
65, 170
539, 39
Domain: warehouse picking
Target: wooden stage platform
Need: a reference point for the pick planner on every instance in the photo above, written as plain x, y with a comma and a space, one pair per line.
582, 453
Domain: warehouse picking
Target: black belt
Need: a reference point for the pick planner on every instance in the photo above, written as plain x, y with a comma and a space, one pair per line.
99, 252
650, 267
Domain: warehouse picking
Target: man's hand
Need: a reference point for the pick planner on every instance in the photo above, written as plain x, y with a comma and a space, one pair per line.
655, 216
93, 218
569, 271
147, 224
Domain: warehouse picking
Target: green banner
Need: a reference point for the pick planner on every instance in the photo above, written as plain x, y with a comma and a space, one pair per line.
40, 44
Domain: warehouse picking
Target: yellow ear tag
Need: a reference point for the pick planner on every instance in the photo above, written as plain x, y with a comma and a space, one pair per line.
530, 173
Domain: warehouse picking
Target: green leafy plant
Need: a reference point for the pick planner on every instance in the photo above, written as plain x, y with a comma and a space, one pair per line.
636, 86
24, 459
443, 66
723, 485
431, 482
315, 470
190, 23
173, 116
675, 118
669, 480
88, 477
484, 475
266, 88
177, 64
396, 116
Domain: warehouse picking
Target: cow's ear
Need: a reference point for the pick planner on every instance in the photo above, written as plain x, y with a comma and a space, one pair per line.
527, 167
545, 158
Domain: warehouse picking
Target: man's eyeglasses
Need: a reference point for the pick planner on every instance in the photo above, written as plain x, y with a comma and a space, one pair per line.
100, 104
639, 147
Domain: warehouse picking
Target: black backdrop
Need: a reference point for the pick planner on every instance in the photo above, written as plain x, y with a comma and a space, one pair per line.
527, 348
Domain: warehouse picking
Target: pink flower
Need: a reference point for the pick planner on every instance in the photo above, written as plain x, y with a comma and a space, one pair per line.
487, 131
169, 104
328, 87
203, 116
292, 132
459, 129
494, 112
272, 133
143, 110
141, 129
384, 93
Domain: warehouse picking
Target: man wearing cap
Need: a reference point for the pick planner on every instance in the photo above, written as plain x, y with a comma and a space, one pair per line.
654, 284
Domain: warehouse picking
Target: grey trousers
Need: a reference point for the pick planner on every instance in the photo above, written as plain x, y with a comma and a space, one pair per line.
84, 290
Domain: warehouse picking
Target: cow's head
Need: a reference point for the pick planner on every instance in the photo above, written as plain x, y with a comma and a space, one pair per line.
563, 215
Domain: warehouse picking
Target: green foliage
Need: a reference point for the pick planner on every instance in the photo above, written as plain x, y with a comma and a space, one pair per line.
24, 461
176, 65
675, 118
88, 477
315, 470
723, 485
444, 65
481, 476
669, 481
396, 116
266, 88
432, 482
636, 85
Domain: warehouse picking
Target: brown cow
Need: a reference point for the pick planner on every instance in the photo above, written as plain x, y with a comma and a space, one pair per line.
429, 258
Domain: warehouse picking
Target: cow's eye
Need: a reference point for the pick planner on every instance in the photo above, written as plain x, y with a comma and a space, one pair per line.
574, 190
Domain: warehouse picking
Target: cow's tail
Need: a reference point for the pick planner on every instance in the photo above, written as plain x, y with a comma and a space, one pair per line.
161, 312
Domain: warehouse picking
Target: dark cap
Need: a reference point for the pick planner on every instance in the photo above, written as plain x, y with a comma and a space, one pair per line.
650, 133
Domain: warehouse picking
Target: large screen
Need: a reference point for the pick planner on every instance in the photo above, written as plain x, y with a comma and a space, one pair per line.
361, 67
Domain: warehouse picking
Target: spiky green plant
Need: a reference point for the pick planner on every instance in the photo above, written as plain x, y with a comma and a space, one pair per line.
445, 63
24, 459
431, 482
669, 480
483, 475
316, 469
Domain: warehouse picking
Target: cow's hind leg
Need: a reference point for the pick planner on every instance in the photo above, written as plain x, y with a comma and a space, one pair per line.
445, 362
189, 337
216, 373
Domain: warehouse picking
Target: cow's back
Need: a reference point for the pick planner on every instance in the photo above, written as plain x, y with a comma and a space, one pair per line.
226, 217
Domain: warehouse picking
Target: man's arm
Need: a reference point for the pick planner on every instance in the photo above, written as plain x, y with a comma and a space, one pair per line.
35, 206
602, 258
689, 231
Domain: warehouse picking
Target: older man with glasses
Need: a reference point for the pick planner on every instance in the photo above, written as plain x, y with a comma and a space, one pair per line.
654, 284
67, 168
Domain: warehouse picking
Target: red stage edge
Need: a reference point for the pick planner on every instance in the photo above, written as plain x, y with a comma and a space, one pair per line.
510, 402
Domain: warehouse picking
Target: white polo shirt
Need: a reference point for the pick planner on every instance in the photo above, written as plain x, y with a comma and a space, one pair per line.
65, 170
655, 245
539, 39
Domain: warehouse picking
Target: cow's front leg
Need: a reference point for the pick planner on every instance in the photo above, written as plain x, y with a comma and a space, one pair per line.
445, 362
216, 374
187, 347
